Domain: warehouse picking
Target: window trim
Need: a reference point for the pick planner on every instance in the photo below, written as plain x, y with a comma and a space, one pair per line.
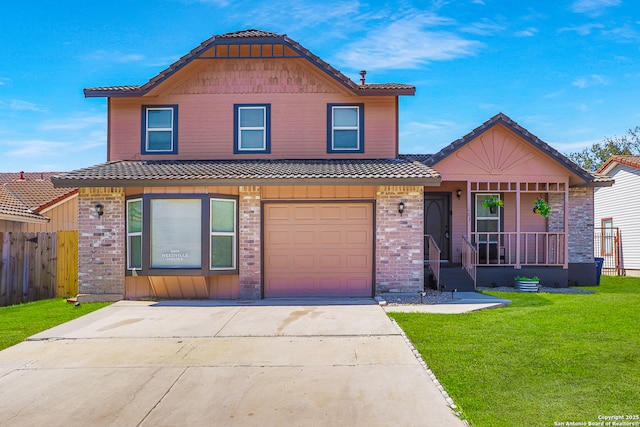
205, 237
331, 128
134, 234
237, 129
476, 217
234, 234
173, 129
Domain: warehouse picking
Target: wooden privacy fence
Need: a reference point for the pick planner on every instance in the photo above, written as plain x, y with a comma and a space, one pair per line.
36, 266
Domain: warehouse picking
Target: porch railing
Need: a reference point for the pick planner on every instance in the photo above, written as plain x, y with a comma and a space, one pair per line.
517, 249
434, 256
469, 258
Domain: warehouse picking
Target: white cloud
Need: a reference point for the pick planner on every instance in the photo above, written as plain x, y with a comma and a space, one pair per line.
408, 43
483, 28
591, 80
19, 105
73, 123
4, 81
592, 7
529, 32
113, 56
583, 30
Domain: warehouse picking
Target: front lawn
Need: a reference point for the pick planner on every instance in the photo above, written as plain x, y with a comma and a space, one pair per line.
18, 322
544, 360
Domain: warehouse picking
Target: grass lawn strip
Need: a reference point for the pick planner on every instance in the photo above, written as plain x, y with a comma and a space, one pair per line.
545, 358
18, 322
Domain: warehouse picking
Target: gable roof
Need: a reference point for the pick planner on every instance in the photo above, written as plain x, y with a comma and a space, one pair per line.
250, 172
252, 37
630, 161
589, 178
25, 196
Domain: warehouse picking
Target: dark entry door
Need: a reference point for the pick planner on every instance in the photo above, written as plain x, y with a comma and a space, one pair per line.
437, 221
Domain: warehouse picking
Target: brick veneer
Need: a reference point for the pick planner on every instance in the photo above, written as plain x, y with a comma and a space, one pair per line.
101, 244
556, 219
249, 243
399, 239
580, 225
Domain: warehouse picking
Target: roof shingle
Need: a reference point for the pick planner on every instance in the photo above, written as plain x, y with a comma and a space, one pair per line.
26, 195
251, 172
383, 89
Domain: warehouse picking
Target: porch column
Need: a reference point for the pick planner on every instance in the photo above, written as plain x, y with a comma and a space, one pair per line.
518, 210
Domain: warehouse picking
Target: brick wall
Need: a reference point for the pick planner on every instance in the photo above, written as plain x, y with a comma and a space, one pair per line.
101, 243
580, 225
556, 219
249, 243
399, 239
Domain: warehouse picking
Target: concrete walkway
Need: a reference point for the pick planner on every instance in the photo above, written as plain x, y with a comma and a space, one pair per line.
463, 302
197, 363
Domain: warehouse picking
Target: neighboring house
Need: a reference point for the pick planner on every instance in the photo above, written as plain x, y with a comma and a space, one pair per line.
251, 168
30, 203
617, 236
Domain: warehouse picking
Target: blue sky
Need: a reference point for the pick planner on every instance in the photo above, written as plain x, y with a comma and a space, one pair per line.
568, 71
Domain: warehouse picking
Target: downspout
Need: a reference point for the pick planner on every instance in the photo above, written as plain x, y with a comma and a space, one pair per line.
108, 129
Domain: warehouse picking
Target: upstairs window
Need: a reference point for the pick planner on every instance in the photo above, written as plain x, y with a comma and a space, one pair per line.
252, 128
345, 128
160, 129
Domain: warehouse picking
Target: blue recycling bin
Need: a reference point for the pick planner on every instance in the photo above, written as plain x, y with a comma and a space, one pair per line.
599, 263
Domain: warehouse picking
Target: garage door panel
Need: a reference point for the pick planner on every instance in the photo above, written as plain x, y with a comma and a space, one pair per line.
328, 247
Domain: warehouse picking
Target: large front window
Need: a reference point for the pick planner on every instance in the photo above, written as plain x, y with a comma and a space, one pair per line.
182, 234
345, 125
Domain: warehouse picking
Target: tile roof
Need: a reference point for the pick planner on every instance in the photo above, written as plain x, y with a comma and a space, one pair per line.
251, 172
613, 161
259, 36
26, 195
588, 177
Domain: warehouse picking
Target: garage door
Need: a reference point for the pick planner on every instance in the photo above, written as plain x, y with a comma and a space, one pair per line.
318, 249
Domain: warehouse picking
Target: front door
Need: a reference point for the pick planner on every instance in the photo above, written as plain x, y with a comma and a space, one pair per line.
437, 222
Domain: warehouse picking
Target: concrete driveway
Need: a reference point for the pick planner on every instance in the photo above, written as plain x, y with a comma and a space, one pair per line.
199, 363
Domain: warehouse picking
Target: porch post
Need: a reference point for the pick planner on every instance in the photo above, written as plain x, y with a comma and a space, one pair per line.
518, 265
469, 207
566, 225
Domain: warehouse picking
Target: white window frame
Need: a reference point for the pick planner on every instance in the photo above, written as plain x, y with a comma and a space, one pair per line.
334, 128
149, 130
233, 234
262, 128
134, 234
487, 218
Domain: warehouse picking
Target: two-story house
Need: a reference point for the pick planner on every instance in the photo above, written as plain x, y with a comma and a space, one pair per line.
251, 168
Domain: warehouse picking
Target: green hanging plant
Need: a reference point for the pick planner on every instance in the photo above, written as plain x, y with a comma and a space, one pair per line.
541, 207
493, 202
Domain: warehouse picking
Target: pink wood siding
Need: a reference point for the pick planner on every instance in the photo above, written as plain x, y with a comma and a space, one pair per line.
297, 92
500, 155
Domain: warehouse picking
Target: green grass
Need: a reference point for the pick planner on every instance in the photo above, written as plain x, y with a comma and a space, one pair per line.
18, 322
545, 358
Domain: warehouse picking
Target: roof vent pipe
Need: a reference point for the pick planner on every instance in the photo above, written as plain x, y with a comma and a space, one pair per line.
362, 74
21, 176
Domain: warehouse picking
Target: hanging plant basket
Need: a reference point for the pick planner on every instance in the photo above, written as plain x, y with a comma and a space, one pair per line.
493, 203
541, 207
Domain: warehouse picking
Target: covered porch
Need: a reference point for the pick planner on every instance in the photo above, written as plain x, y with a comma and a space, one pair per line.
495, 243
